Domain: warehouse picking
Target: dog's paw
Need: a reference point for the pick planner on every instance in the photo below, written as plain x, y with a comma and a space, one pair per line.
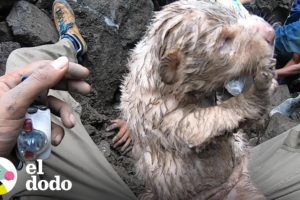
264, 77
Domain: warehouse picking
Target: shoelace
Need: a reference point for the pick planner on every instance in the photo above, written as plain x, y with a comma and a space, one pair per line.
63, 27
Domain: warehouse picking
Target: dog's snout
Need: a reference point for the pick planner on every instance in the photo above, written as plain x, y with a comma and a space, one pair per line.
259, 26
268, 34
265, 30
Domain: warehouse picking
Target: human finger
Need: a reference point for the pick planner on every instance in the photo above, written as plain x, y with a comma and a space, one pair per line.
62, 110
80, 87
17, 100
75, 71
10, 81
57, 134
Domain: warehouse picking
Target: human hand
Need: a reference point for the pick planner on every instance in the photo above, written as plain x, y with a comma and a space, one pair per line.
123, 136
17, 96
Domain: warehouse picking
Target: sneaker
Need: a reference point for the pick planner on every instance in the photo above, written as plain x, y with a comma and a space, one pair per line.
64, 20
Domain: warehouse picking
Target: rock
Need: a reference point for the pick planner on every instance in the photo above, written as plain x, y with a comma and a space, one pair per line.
111, 28
271, 5
133, 25
253, 141
104, 147
30, 25
6, 4
90, 129
277, 125
89, 115
158, 4
271, 10
5, 49
44, 4
5, 32
296, 114
32, 1
282, 93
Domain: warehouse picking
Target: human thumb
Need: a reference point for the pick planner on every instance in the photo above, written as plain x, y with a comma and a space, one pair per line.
40, 80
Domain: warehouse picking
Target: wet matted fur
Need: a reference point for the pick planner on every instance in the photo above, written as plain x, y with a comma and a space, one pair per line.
184, 147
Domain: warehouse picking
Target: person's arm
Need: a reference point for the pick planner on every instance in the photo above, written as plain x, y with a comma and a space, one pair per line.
291, 68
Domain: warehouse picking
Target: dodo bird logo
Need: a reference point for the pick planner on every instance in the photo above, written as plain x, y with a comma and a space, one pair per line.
8, 176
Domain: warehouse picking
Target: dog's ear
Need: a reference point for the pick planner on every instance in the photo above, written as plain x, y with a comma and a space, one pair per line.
168, 68
227, 37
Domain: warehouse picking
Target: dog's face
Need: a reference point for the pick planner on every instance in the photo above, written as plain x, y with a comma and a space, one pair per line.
207, 43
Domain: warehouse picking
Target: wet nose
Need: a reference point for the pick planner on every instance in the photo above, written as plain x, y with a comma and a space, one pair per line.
266, 30
260, 26
269, 35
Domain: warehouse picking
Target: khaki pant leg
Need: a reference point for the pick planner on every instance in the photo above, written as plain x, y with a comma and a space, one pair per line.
275, 166
77, 158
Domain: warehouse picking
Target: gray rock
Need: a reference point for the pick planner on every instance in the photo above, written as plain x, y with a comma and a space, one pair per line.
282, 93
273, 4
277, 125
133, 26
5, 33
89, 115
111, 28
271, 10
253, 141
44, 4
296, 114
32, 1
5, 49
90, 129
30, 25
6, 4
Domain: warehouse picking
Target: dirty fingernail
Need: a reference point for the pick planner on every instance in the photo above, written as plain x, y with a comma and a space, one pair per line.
60, 63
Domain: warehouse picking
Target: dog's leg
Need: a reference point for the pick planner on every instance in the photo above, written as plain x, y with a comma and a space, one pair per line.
147, 195
194, 126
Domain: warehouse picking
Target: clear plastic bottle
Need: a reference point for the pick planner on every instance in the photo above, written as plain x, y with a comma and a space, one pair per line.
31, 142
34, 140
236, 87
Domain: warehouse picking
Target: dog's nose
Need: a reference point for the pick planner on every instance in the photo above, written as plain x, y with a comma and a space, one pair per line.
257, 25
269, 34
265, 30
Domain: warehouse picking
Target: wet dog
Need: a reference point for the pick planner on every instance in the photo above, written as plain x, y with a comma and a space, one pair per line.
184, 146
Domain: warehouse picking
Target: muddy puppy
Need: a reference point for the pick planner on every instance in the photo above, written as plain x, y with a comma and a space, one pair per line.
184, 147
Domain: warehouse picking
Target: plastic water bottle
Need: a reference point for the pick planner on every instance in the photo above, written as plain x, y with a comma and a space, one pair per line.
236, 87
34, 140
